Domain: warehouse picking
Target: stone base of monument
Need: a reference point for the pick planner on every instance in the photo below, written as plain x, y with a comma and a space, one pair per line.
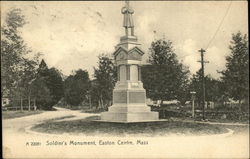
128, 114
129, 105
129, 117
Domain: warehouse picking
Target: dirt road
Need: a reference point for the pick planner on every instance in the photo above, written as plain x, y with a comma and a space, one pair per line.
18, 143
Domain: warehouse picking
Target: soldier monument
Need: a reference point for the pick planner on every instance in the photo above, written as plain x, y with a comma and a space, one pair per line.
129, 96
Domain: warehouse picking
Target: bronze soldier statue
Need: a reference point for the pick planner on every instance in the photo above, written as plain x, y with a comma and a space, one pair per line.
128, 20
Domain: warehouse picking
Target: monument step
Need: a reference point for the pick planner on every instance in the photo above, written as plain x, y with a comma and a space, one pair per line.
129, 108
130, 116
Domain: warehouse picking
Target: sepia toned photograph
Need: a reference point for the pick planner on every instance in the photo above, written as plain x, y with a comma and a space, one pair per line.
124, 79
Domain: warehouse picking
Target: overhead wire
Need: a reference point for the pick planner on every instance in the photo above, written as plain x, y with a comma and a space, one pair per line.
219, 26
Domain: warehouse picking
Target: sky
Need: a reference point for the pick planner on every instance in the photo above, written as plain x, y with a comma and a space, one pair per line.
71, 35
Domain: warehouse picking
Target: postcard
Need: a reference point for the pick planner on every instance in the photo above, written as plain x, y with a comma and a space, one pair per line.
125, 79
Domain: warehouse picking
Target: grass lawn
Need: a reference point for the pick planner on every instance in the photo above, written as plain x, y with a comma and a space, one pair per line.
238, 130
92, 128
17, 114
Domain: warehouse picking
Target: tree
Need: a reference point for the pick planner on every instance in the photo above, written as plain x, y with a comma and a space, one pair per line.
183, 91
27, 75
106, 77
162, 53
41, 94
12, 50
55, 84
43, 69
165, 78
213, 88
16, 69
236, 74
95, 93
51, 81
76, 88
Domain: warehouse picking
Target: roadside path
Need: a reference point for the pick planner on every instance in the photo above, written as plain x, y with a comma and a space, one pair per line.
17, 125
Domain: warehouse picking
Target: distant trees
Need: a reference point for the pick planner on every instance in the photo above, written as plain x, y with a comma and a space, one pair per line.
55, 85
236, 75
76, 88
183, 90
213, 88
41, 94
47, 87
165, 78
94, 94
105, 77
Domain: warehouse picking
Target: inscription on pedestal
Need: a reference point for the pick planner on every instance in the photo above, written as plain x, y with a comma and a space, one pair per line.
136, 97
120, 97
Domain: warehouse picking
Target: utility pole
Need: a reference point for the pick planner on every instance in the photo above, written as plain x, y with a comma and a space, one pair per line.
202, 51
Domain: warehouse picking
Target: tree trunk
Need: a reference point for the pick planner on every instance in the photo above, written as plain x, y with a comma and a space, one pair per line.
29, 101
240, 117
21, 103
99, 103
96, 107
240, 105
101, 100
35, 104
161, 103
102, 103
90, 103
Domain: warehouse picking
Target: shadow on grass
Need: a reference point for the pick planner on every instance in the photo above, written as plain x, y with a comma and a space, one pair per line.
89, 127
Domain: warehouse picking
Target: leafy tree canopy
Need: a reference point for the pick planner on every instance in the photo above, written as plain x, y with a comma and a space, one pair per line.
213, 87
51, 81
76, 87
165, 78
105, 77
236, 74
12, 49
162, 53
16, 70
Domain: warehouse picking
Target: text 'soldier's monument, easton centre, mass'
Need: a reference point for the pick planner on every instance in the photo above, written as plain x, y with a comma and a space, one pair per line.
129, 96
